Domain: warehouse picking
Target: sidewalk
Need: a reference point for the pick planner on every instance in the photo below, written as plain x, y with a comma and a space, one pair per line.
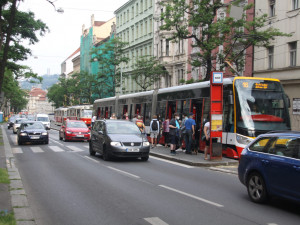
195, 159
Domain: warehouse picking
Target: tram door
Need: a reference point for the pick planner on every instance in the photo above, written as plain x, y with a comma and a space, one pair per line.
125, 110
196, 109
106, 113
138, 109
98, 112
171, 109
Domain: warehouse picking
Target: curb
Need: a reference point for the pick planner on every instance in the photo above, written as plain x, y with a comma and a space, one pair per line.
19, 201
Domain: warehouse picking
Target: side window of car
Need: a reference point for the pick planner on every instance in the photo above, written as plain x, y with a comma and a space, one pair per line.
260, 145
286, 146
95, 126
293, 148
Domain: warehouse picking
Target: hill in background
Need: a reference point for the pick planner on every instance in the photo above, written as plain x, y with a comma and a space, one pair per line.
48, 81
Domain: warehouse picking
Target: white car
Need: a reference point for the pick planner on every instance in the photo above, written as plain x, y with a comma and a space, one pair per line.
17, 124
44, 118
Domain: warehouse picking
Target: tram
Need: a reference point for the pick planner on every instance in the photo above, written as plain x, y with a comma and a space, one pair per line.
80, 112
60, 114
251, 106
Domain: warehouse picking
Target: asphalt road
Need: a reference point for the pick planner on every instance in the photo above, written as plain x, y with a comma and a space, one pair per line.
64, 185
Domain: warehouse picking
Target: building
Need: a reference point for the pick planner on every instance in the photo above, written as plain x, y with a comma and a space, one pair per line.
38, 102
68, 67
135, 26
282, 59
172, 54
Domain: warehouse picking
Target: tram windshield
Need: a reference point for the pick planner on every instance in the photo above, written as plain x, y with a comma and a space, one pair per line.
261, 106
87, 113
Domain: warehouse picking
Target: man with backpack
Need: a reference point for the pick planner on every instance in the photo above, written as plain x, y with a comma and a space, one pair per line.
154, 131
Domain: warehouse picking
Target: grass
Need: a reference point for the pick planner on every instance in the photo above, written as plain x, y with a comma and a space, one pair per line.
4, 176
7, 218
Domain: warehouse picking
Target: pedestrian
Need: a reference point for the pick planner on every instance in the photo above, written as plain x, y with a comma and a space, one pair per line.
93, 120
174, 132
190, 132
113, 117
207, 138
140, 124
183, 130
166, 131
134, 119
154, 131
125, 117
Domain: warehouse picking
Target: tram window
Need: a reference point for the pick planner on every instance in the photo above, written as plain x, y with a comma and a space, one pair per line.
161, 109
186, 107
147, 114
179, 108
130, 112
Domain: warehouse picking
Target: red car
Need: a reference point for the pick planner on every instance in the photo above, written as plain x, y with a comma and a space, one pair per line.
74, 130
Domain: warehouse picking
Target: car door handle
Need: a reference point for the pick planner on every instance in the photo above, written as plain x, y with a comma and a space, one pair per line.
297, 168
265, 162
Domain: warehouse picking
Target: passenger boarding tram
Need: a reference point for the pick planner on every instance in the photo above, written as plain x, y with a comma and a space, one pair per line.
251, 106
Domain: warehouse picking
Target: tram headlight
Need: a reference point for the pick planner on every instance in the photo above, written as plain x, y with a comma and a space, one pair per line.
243, 139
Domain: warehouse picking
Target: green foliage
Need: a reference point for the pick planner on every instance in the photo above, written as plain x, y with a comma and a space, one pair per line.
147, 70
182, 81
7, 218
4, 179
190, 81
208, 33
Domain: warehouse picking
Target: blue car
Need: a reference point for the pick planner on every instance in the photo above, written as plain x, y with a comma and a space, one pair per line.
270, 166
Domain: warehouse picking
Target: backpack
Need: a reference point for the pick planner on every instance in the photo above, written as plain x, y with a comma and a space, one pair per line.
154, 125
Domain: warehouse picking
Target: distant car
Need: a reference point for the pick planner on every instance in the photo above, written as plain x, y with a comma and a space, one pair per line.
270, 166
118, 138
32, 131
44, 118
11, 121
17, 124
30, 117
74, 130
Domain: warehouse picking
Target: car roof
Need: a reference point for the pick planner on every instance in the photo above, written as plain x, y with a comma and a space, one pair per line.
115, 121
74, 121
281, 133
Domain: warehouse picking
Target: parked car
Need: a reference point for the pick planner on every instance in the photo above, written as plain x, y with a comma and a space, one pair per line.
11, 121
44, 118
118, 138
74, 130
17, 124
270, 166
32, 131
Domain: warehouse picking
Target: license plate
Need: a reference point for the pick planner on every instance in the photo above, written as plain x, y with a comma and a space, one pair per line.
80, 135
35, 137
132, 150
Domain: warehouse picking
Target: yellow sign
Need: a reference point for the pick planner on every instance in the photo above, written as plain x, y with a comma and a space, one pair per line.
261, 86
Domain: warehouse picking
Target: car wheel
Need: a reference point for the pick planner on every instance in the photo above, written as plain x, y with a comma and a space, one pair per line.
105, 155
92, 152
145, 158
60, 138
256, 188
64, 138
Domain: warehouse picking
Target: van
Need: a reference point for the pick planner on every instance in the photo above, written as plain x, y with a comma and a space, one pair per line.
44, 118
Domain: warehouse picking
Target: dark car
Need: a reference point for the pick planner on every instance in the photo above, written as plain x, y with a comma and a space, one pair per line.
11, 121
74, 130
32, 131
270, 166
118, 138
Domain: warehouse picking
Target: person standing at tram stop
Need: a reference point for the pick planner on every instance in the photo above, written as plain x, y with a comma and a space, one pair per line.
183, 130
166, 131
207, 138
94, 118
140, 124
154, 131
174, 132
190, 132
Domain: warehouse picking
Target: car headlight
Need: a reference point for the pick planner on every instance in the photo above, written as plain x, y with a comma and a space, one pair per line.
44, 133
146, 143
23, 134
243, 139
115, 144
69, 132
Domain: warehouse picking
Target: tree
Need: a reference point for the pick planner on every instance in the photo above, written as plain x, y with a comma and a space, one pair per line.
147, 70
17, 26
197, 19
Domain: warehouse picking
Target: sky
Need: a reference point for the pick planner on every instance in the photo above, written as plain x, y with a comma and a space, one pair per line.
65, 29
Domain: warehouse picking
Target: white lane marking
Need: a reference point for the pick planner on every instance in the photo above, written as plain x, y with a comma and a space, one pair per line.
155, 221
86, 146
175, 163
75, 149
56, 149
94, 160
36, 149
123, 172
272, 223
191, 196
17, 150
57, 142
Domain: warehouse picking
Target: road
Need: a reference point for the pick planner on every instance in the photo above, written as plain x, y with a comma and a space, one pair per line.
64, 185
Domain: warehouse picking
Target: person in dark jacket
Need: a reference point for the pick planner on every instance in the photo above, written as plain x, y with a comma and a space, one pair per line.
174, 132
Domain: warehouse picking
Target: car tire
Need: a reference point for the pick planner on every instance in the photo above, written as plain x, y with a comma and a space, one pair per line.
145, 158
105, 155
256, 188
64, 138
92, 152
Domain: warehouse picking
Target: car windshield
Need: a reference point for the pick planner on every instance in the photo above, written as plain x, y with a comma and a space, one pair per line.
122, 128
42, 119
19, 121
76, 125
87, 113
33, 126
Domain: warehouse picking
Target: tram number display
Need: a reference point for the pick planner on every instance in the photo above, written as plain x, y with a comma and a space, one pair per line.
256, 85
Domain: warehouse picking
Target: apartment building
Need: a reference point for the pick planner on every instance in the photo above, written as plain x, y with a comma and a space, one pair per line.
134, 24
282, 59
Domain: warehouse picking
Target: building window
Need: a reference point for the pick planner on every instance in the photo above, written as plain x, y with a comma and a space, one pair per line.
150, 3
137, 9
272, 7
270, 57
295, 4
141, 9
124, 21
146, 27
167, 47
137, 31
150, 25
132, 12
161, 48
142, 31
141, 50
127, 15
293, 53
146, 4
161, 20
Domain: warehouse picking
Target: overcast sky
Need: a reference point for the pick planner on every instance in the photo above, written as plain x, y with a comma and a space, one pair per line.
65, 29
